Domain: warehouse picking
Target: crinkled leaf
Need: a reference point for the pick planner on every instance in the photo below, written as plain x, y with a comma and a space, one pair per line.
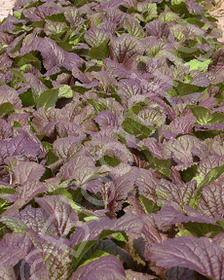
212, 200
105, 267
183, 149
200, 254
9, 95
169, 216
13, 247
176, 194
215, 173
52, 54
27, 171
60, 211
67, 147
128, 223
19, 145
125, 49
80, 168
133, 27
7, 273
55, 254
5, 130
96, 37
24, 194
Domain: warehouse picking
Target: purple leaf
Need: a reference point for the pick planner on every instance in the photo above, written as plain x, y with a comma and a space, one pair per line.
100, 146
153, 146
72, 15
52, 54
212, 200
181, 273
35, 219
7, 273
106, 267
125, 49
13, 247
158, 29
67, 147
19, 145
91, 230
180, 125
151, 234
95, 36
107, 118
8, 94
5, 130
200, 254
27, 171
169, 216
128, 88
54, 252
23, 194
40, 12
80, 168
59, 212
183, 149
174, 192
146, 181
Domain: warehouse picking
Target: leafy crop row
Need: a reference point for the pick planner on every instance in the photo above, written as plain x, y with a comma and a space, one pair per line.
111, 141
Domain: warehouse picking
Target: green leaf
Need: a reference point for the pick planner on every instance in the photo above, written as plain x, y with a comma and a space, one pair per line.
14, 224
190, 52
61, 191
148, 205
17, 78
3, 190
215, 173
98, 105
120, 236
28, 58
51, 157
134, 127
6, 108
57, 17
80, 250
65, 91
201, 229
57, 29
111, 161
101, 51
198, 65
205, 117
96, 254
79, 3
151, 12
162, 166
48, 98
189, 173
179, 7
181, 89
27, 98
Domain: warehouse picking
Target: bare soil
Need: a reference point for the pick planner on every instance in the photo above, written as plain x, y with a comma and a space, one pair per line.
6, 7
217, 11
